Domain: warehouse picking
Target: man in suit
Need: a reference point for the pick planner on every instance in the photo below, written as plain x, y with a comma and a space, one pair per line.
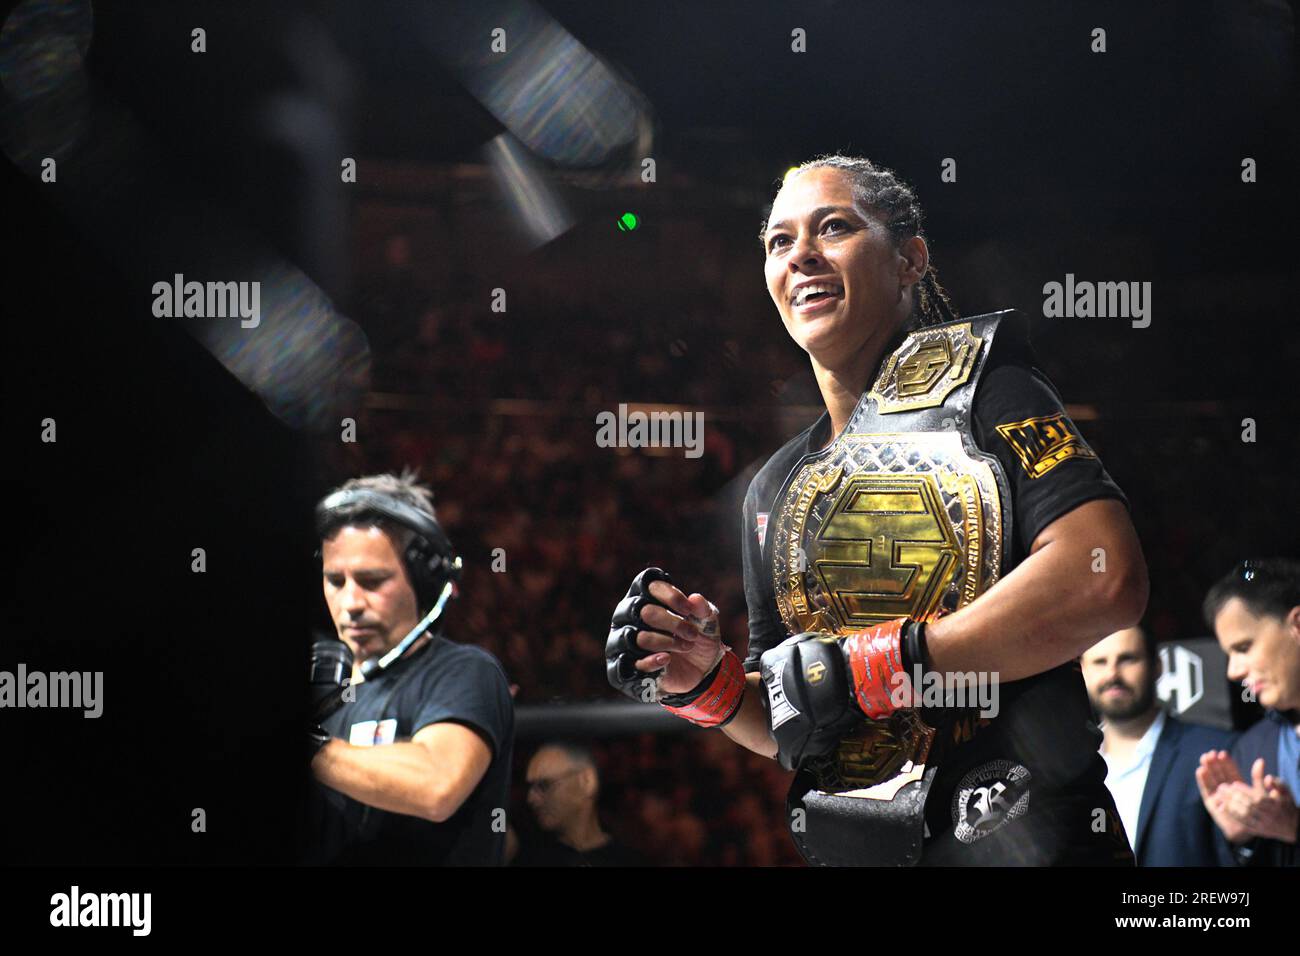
1152, 756
1255, 613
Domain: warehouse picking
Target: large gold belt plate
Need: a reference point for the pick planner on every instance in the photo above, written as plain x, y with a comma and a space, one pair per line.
884, 526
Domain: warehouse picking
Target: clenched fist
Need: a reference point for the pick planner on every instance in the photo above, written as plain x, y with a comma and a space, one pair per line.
660, 640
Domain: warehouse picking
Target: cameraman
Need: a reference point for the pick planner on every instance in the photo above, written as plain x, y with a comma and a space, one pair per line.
415, 765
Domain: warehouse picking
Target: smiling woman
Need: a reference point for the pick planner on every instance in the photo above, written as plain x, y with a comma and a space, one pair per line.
897, 212
847, 265
938, 525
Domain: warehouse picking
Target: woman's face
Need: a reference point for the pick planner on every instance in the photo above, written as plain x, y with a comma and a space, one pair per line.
817, 232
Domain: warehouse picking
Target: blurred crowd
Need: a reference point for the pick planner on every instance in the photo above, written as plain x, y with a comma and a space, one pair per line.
498, 414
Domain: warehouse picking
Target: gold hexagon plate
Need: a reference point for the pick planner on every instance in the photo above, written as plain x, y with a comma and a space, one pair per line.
926, 368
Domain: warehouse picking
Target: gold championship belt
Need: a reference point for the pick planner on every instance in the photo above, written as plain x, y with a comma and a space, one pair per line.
901, 516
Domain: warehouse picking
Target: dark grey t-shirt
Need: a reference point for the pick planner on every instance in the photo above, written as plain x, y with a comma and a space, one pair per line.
444, 681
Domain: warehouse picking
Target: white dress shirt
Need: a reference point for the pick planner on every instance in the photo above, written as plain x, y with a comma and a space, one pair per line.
1127, 782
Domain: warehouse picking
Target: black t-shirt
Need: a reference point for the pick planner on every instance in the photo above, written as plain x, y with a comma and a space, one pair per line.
545, 850
443, 681
1044, 722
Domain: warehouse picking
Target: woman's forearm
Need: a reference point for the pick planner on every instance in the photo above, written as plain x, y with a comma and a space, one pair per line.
1085, 579
749, 727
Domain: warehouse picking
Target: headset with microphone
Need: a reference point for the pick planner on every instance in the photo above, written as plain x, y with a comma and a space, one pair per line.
431, 562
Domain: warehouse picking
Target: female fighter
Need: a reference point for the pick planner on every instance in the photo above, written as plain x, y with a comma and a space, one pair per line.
923, 566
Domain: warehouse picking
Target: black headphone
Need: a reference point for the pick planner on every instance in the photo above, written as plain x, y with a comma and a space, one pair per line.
430, 560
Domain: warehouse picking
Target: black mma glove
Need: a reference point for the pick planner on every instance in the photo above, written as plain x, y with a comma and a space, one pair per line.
621, 650
714, 701
818, 686
807, 696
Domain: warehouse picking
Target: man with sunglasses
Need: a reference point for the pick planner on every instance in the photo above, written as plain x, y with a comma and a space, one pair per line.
1251, 793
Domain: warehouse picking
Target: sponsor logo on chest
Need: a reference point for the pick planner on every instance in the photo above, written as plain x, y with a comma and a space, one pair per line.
373, 733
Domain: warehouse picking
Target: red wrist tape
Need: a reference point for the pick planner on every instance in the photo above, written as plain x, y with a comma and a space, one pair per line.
875, 656
720, 699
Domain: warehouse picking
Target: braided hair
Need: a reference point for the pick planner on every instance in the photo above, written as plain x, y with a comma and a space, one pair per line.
880, 190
